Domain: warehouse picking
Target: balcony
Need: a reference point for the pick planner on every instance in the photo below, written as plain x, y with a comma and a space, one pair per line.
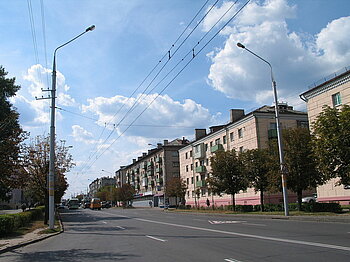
159, 170
150, 173
136, 170
199, 151
200, 169
159, 160
216, 148
272, 133
149, 164
201, 183
160, 180
144, 165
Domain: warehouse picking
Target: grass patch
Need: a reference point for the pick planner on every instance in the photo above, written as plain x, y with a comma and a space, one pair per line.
25, 230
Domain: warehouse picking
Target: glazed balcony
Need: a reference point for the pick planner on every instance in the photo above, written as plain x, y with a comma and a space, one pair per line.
200, 169
201, 183
218, 147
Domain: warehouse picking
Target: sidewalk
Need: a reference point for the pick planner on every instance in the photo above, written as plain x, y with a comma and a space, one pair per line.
29, 238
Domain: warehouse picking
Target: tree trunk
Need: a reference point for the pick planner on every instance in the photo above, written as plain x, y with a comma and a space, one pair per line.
46, 217
212, 201
262, 199
233, 203
300, 196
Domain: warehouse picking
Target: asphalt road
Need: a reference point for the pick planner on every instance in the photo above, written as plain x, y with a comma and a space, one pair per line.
155, 235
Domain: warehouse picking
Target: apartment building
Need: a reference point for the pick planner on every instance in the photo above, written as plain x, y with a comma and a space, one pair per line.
99, 183
334, 91
120, 176
150, 172
244, 131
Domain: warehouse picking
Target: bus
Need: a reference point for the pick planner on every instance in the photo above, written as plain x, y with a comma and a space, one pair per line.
73, 203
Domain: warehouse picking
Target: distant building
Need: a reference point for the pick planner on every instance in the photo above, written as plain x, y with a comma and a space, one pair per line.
244, 131
334, 91
120, 176
151, 171
99, 183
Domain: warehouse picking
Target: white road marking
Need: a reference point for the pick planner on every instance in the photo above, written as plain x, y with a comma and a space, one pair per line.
215, 222
104, 222
299, 242
155, 238
252, 224
122, 228
231, 260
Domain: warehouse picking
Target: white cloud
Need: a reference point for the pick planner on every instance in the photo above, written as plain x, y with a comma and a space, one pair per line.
165, 118
81, 135
297, 59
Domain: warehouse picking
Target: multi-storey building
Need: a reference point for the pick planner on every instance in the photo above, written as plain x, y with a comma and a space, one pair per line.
244, 131
99, 183
333, 91
150, 172
120, 176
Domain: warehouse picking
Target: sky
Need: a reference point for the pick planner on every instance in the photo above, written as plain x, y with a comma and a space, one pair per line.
157, 69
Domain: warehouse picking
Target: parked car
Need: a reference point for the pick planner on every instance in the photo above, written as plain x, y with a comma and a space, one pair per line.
105, 204
309, 199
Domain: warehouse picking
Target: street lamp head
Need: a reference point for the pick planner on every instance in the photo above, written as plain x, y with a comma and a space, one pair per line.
90, 28
240, 45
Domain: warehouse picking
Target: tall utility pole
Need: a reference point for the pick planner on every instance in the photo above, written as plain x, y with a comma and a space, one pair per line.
279, 133
51, 176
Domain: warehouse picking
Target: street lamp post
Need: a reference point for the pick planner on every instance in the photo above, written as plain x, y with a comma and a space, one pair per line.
279, 133
51, 178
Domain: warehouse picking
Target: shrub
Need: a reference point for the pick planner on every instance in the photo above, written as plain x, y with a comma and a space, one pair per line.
12, 222
322, 207
244, 208
6, 224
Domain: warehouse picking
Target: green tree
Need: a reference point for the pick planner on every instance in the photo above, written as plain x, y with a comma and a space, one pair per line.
227, 174
36, 158
300, 162
126, 194
331, 143
256, 163
11, 136
176, 187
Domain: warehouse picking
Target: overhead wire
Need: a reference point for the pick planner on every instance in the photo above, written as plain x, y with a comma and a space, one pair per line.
183, 68
166, 54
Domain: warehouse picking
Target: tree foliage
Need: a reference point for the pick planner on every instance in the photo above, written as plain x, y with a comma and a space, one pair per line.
176, 187
126, 194
256, 163
300, 162
331, 143
11, 136
227, 174
36, 157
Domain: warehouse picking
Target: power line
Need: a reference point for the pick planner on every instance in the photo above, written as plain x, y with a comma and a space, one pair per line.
183, 68
168, 53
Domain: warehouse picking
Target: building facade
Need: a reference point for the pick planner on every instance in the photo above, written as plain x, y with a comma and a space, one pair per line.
244, 131
99, 183
333, 91
150, 172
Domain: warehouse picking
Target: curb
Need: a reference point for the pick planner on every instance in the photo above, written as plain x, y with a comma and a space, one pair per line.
9, 248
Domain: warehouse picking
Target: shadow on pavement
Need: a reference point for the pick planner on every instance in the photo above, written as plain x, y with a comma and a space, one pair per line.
73, 255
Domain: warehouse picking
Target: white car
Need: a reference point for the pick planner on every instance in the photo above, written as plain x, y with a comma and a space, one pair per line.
310, 199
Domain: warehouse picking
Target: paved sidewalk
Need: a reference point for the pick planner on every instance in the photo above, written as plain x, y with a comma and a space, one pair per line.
32, 237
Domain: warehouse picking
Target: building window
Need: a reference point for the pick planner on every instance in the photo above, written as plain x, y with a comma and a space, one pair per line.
207, 160
206, 147
192, 180
224, 140
217, 141
193, 194
186, 168
187, 181
240, 133
241, 149
231, 136
186, 155
203, 191
176, 164
175, 153
196, 164
197, 178
191, 153
336, 99
211, 144
201, 163
188, 194
191, 167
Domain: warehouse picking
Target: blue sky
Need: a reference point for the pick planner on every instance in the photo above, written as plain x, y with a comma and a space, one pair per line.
304, 40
